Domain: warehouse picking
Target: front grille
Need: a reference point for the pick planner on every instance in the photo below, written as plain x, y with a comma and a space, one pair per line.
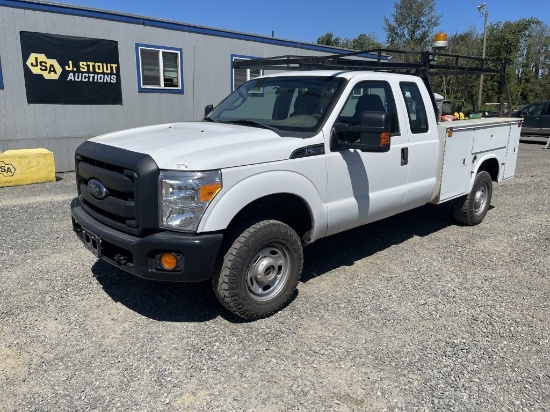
125, 175
118, 206
104, 165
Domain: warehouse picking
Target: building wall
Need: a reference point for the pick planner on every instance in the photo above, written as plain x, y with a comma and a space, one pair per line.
61, 128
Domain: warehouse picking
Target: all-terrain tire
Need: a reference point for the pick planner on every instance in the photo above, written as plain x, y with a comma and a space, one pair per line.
260, 269
471, 209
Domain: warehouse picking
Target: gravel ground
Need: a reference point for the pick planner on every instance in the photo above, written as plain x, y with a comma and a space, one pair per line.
411, 313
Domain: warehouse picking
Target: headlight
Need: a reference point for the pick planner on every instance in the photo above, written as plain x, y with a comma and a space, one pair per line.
185, 196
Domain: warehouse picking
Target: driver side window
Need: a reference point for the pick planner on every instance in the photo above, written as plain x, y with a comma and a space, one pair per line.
370, 96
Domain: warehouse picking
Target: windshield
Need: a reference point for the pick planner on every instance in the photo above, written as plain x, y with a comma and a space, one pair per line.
282, 104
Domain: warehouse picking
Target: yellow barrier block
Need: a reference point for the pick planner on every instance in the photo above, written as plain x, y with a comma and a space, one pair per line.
26, 166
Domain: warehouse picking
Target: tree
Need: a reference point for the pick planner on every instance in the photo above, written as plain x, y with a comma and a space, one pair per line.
524, 44
412, 25
534, 64
516, 43
328, 39
361, 42
366, 42
461, 88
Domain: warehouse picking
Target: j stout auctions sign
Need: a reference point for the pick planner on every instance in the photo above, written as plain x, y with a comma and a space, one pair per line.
70, 70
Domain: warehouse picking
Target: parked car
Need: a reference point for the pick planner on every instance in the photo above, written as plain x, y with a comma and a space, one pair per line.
536, 118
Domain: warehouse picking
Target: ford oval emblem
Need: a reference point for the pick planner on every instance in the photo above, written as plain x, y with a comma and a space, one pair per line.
97, 189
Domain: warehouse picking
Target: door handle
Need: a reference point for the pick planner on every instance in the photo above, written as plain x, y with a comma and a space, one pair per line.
404, 156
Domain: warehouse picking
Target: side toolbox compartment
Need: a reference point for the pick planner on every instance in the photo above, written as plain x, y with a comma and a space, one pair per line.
466, 143
456, 170
512, 151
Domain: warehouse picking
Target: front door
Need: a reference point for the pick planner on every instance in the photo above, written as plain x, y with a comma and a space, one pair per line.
364, 187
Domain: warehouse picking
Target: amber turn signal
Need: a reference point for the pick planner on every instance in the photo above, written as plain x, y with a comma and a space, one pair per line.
169, 261
207, 192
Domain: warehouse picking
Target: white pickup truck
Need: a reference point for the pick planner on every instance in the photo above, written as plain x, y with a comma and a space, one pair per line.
286, 159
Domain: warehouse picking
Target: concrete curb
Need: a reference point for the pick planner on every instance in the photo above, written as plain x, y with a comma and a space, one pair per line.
26, 166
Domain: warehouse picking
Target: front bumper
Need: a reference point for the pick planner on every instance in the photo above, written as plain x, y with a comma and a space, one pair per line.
140, 255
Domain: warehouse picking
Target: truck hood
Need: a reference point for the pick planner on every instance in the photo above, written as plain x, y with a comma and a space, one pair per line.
203, 146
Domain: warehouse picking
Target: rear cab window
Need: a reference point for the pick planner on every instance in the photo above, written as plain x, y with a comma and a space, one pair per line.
416, 111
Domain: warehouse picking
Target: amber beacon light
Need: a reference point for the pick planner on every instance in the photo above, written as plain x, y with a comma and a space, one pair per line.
440, 41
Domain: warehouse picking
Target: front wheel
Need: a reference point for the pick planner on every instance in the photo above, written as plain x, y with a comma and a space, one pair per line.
471, 209
260, 269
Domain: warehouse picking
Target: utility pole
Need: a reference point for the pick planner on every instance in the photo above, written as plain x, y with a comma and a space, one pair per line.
483, 12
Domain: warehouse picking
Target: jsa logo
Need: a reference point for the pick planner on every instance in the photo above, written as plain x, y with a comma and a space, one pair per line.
40, 64
6, 169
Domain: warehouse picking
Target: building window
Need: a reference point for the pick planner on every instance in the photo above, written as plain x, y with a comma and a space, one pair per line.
159, 69
240, 76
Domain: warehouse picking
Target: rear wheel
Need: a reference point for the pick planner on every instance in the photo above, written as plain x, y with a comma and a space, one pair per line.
260, 269
471, 209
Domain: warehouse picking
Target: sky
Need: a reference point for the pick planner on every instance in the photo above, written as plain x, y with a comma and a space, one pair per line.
306, 20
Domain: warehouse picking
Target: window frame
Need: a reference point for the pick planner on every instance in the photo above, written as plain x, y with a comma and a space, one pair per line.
1, 77
420, 101
391, 104
242, 57
535, 104
161, 88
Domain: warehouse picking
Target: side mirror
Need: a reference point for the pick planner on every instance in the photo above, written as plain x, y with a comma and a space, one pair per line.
208, 109
373, 135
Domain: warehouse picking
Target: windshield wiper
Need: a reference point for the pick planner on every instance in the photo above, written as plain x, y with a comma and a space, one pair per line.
246, 122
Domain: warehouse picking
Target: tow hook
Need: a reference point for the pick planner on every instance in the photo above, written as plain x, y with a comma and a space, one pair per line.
121, 259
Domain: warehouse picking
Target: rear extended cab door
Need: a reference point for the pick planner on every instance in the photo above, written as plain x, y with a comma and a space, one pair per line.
423, 142
363, 187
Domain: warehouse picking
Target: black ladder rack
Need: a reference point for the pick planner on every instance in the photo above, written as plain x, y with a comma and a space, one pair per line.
423, 64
